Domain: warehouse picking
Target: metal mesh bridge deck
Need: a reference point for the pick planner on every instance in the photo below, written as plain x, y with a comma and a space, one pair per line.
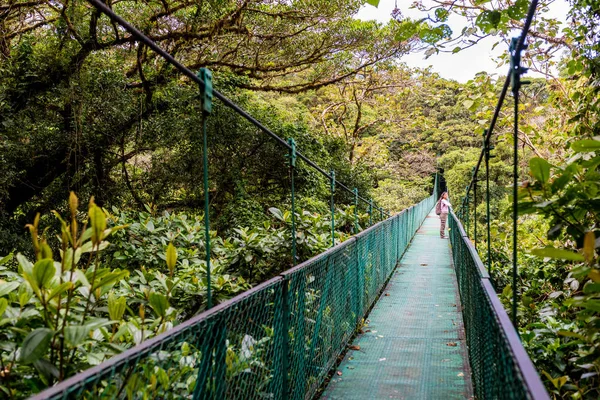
413, 343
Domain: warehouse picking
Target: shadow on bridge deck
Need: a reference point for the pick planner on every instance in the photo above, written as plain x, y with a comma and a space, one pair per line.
413, 345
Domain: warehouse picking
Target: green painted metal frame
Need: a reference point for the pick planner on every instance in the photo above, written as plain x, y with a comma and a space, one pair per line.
500, 365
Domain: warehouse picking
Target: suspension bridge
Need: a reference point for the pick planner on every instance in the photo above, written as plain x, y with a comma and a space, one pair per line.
394, 312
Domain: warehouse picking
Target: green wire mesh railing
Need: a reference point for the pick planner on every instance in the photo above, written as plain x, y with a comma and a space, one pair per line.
278, 340
501, 369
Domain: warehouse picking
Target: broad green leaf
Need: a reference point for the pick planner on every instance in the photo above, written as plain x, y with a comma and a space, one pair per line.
46, 251
589, 241
76, 334
98, 222
6, 259
35, 345
81, 278
24, 295
586, 145
116, 307
3, 306
60, 289
441, 14
591, 304
111, 278
46, 368
43, 272
73, 203
277, 213
540, 169
591, 288
171, 257
518, 10
561, 254
89, 247
8, 287
570, 334
488, 20
159, 303
24, 264
374, 3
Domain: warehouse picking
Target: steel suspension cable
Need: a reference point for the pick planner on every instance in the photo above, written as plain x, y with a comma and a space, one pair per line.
487, 197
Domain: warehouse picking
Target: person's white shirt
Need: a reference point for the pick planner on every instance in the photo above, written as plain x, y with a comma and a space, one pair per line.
445, 205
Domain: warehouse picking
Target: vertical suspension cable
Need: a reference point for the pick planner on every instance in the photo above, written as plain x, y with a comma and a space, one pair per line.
207, 95
355, 210
475, 207
515, 204
468, 215
516, 71
486, 141
292, 161
332, 208
206, 211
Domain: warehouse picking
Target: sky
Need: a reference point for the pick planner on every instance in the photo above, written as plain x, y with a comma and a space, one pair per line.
463, 65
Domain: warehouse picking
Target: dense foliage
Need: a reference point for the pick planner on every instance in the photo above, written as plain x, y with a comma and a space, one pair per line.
85, 108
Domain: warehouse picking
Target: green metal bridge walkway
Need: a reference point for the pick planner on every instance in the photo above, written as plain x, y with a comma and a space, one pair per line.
413, 345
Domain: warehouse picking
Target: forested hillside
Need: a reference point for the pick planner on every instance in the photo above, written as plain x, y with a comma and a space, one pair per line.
101, 200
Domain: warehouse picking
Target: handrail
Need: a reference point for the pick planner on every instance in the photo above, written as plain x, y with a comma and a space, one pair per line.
501, 366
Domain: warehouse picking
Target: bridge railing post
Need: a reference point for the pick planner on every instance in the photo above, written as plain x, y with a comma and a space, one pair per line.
292, 163
207, 96
332, 208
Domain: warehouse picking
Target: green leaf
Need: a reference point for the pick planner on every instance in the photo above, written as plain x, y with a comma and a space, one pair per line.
374, 3
3, 306
6, 259
76, 334
441, 14
591, 288
560, 254
60, 289
488, 20
586, 145
171, 257
116, 307
570, 334
8, 287
46, 368
24, 264
43, 272
111, 278
159, 303
468, 104
277, 213
590, 304
518, 10
540, 169
35, 345
98, 222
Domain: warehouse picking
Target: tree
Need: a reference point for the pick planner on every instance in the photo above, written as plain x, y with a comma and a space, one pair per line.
83, 105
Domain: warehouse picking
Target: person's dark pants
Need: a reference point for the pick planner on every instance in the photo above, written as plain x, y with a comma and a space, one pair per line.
443, 218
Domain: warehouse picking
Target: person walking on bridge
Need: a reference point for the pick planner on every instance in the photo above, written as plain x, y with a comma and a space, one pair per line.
445, 207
